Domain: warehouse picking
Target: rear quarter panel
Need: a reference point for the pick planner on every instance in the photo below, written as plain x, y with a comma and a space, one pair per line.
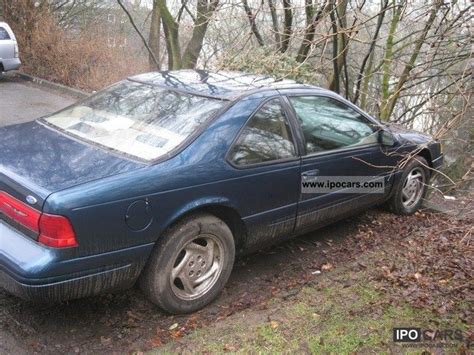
196, 177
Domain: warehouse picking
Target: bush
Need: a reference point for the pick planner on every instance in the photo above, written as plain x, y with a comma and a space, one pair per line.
266, 61
76, 58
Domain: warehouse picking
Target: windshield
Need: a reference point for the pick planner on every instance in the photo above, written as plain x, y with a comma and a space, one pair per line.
137, 119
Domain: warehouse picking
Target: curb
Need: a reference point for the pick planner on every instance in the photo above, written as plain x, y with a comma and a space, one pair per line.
79, 94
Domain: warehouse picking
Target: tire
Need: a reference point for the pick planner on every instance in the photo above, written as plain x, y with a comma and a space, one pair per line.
399, 203
199, 246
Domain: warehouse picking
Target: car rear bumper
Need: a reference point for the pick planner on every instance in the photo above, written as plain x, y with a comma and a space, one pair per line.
10, 64
37, 273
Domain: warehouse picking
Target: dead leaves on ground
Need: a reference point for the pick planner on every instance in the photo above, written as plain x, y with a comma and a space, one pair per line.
420, 259
428, 260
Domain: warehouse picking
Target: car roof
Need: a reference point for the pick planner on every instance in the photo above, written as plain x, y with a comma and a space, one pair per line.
227, 85
5, 25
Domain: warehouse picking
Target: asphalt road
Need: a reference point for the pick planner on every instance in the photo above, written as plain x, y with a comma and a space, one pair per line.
22, 101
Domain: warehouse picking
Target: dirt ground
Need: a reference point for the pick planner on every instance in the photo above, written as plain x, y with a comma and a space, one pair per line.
127, 322
391, 272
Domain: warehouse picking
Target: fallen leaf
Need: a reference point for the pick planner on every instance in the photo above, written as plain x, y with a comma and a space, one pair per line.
327, 266
156, 342
176, 334
274, 324
105, 341
229, 347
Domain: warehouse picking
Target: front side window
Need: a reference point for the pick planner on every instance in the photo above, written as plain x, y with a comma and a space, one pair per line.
266, 137
328, 124
137, 119
4, 34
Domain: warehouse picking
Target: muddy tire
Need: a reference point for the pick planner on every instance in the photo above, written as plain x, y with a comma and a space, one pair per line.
190, 264
410, 190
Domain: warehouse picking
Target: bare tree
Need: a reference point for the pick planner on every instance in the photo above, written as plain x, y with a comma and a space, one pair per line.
154, 36
204, 11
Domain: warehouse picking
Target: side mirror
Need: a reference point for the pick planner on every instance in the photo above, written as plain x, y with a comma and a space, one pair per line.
386, 138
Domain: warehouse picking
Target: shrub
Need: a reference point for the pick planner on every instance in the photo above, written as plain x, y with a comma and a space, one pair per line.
76, 58
266, 61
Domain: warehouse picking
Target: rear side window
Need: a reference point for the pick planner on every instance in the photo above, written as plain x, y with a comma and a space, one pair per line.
266, 137
4, 34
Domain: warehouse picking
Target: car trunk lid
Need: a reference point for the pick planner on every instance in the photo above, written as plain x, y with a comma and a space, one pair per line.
36, 161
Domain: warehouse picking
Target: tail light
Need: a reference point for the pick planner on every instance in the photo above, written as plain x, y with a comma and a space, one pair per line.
19, 212
54, 231
17, 52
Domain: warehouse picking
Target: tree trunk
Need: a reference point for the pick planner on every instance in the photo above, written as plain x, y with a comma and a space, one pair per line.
193, 49
388, 56
383, 10
275, 24
154, 37
339, 26
312, 21
171, 31
334, 82
145, 43
366, 80
253, 25
387, 109
288, 30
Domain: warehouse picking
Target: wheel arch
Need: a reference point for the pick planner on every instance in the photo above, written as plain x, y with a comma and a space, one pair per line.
221, 209
425, 153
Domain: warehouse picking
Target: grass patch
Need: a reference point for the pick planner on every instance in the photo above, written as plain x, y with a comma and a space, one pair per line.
332, 320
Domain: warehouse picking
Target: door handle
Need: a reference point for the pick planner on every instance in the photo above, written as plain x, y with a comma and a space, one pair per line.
310, 173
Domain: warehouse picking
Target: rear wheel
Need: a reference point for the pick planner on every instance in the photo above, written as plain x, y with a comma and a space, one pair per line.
190, 264
411, 188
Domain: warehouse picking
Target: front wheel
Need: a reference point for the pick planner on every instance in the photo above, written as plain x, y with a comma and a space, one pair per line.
411, 188
190, 264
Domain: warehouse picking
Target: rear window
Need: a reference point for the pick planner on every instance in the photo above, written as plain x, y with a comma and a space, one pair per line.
137, 119
4, 34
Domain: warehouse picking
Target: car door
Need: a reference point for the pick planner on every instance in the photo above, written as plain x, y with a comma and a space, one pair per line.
267, 157
340, 145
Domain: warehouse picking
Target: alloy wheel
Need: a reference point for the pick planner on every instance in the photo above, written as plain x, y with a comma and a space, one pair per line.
413, 187
197, 267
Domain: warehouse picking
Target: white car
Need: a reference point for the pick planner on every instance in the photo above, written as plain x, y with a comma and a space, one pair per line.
9, 56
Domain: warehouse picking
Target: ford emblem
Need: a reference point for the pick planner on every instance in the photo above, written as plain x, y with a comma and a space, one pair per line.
31, 200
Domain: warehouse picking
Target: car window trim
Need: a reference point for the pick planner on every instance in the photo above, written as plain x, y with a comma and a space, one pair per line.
270, 162
341, 150
296, 127
301, 134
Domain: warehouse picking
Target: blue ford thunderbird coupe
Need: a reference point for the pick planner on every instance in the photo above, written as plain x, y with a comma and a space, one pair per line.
163, 178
